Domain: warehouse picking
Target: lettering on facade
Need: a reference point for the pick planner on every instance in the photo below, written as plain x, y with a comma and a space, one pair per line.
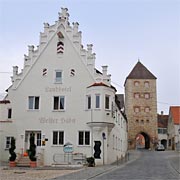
50, 120
58, 89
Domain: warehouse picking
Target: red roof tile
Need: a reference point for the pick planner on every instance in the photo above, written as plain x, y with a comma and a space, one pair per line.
102, 84
175, 111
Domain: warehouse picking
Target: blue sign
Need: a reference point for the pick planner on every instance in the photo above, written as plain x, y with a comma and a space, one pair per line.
68, 148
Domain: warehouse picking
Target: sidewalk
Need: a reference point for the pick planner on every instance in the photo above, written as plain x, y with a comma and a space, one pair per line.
62, 172
90, 172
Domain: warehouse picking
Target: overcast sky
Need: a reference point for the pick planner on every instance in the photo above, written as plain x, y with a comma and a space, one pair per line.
121, 31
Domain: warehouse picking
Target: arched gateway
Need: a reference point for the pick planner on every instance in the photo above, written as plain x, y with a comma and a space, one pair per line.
141, 106
142, 141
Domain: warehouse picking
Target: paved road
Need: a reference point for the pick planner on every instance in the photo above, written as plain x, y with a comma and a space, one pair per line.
143, 165
151, 165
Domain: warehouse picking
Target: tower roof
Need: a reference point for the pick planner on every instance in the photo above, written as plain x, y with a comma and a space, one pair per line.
140, 72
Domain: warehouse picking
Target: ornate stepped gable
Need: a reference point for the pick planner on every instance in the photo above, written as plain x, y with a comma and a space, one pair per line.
62, 29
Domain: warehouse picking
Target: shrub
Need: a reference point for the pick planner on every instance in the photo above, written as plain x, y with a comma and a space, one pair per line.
32, 148
11, 150
90, 161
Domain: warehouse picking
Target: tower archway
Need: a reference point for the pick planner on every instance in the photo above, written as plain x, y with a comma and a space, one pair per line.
142, 141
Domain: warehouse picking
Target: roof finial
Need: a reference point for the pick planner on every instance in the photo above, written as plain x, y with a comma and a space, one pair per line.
138, 59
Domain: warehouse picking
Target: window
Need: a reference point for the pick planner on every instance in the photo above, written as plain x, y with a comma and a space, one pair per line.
146, 95
136, 83
8, 142
137, 121
38, 141
142, 121
97, 101
58, 76
147, 109
136, 95
84, 138
58, 137
33, 102
136, 109
88, 102
162, 131
9, 113
59, 103
107, 101
146, 84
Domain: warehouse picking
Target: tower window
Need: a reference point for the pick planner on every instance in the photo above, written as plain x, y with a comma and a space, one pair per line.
136, 83
146, 84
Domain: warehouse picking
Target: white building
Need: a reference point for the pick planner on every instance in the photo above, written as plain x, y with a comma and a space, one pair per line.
62, 98
174, 128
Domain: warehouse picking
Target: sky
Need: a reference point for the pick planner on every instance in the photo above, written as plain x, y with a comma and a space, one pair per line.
121, 31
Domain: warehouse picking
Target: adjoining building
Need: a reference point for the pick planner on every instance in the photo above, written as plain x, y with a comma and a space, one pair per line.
162, 129
141, 106
64, 100
174, 128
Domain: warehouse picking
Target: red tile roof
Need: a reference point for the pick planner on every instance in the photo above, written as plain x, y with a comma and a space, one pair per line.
102, 84
175, 111
99, 84
162, 120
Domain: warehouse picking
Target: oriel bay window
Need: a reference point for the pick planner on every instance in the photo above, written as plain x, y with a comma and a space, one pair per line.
84, 138
59, 103
58, 137
33, 102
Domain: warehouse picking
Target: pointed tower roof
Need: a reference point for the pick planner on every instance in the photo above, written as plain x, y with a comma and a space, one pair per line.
140, 72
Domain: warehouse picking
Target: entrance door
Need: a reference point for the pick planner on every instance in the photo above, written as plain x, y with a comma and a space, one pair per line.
38, 139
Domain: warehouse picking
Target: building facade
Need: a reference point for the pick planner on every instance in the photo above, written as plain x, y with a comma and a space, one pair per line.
162, 129
141, 106
64, 100
174, 128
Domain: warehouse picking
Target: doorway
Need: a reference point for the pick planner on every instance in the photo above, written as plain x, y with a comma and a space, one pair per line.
38, 138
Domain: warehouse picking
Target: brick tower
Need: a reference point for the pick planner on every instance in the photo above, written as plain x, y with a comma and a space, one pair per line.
141, 106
